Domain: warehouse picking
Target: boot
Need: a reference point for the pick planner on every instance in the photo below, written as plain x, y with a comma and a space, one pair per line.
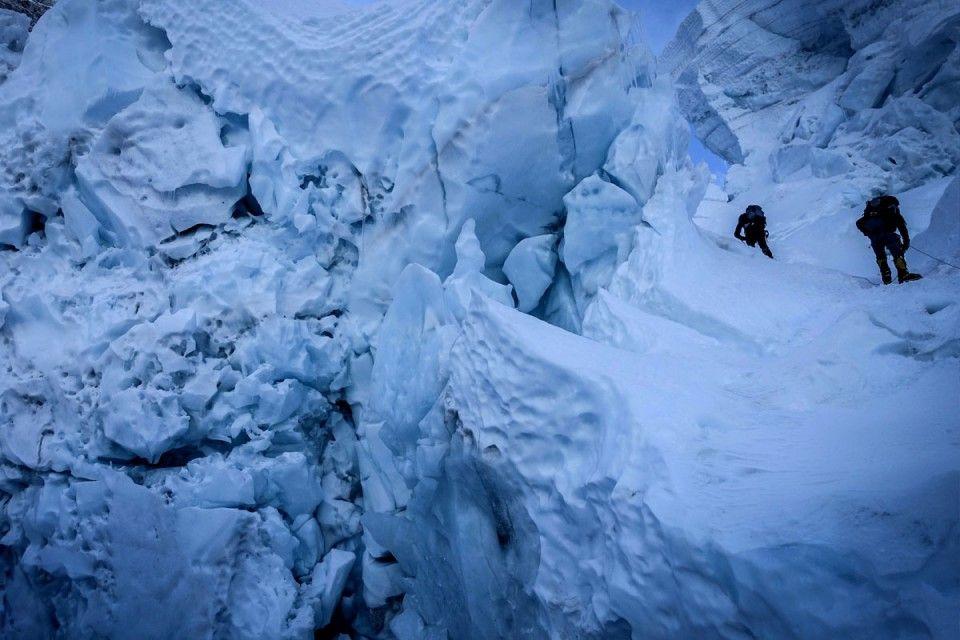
903, 274
884, 270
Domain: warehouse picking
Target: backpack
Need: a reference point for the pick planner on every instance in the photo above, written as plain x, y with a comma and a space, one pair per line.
882, 206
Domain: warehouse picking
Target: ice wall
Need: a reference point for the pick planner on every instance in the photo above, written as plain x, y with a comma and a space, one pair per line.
435, 113
204, 211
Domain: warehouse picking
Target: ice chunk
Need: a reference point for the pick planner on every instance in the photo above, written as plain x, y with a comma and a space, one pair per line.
414, 337
213, 558
14, 223
81, 65
14, 29
327, 582
468, 279
294, 349
200, 389
145, 424
81, 224
600, 217
597, 236
942, 236
26, 420
530, 268
872, 69
408, 625
655, 141
289, 483
160, 167
212, 482
307, 291
381, 579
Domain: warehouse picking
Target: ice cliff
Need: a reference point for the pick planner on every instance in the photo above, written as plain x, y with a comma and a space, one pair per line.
412, 321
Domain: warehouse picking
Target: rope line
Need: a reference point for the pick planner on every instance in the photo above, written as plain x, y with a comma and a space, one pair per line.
949, 264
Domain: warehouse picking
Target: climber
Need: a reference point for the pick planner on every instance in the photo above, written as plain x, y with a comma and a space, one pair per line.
880, 222
752, 229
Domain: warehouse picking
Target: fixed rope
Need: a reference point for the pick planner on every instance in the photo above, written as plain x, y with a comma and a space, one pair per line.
949, 264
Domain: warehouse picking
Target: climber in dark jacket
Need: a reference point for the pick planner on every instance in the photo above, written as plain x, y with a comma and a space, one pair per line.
752, 229
880, 222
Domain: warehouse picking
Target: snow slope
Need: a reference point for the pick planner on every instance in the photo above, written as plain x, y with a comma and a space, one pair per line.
821, 106
734, 447
412, 321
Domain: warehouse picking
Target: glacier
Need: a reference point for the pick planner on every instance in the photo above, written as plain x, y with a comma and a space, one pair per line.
416, 320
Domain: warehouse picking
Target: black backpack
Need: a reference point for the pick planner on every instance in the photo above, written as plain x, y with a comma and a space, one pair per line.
882, 206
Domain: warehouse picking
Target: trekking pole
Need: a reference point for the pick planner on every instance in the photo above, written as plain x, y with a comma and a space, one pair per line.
949, 264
